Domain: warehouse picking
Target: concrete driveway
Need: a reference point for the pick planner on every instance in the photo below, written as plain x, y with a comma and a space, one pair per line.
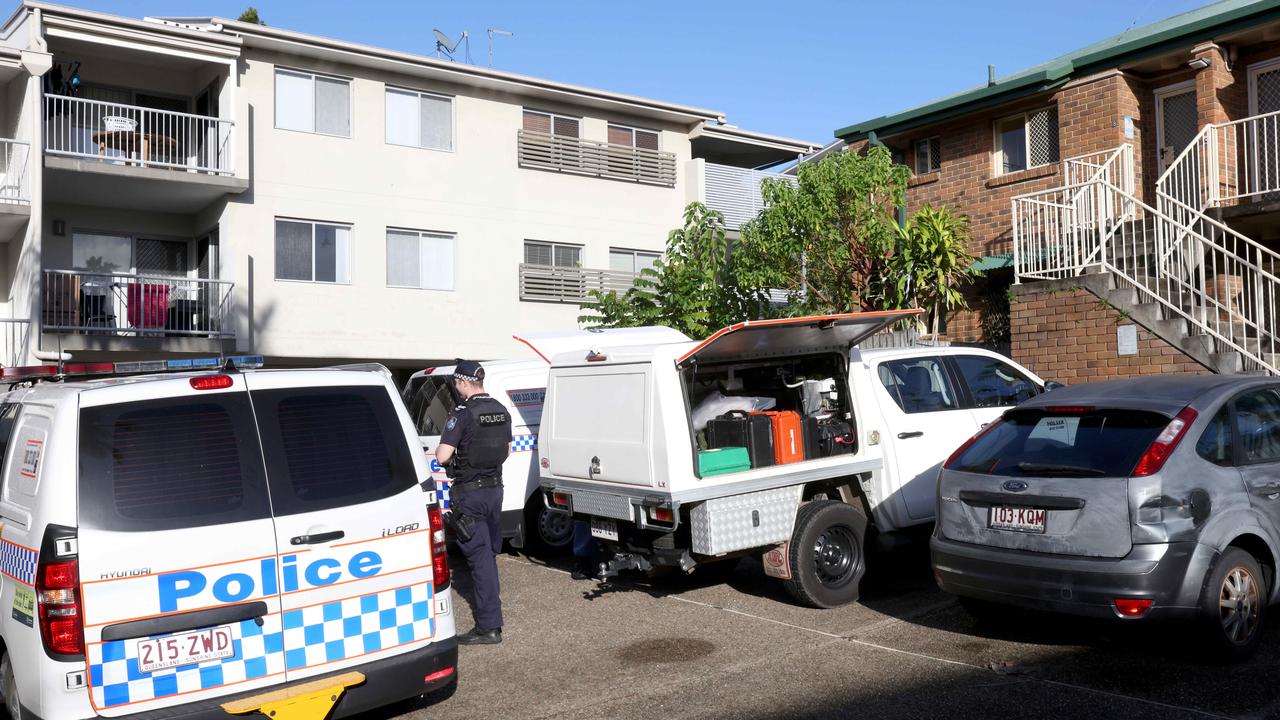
683, 648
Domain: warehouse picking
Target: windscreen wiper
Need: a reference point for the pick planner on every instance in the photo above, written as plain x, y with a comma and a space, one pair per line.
1049, 469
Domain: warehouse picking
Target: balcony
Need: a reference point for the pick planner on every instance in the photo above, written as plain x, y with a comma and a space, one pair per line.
101, 308
545, 283
735, 192
560, 153
136, 157
15, 187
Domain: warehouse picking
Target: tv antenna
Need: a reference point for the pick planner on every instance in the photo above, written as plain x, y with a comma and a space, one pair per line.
449, 47
492, 32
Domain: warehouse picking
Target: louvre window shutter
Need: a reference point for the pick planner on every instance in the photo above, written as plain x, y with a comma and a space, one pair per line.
619, 135
646, 140
566, 127
537, 122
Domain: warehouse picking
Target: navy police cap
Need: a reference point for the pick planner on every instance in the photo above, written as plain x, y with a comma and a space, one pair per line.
468, 370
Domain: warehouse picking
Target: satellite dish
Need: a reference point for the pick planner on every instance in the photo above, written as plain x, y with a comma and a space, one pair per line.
444, 43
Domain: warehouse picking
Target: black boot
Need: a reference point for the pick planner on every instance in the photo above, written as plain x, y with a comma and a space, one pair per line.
481, 637
583, 569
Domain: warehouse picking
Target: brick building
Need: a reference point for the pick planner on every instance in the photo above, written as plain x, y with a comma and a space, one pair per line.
1134, 181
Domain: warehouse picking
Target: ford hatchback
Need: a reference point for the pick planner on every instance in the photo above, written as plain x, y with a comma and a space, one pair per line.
1147, 499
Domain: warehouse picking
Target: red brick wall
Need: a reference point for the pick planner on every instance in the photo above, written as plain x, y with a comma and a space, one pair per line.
1069, 335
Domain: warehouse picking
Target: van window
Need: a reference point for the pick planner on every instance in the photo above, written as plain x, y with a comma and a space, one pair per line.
918, 384
431, 406
176, 463
332, 447
993, 383
1035, 443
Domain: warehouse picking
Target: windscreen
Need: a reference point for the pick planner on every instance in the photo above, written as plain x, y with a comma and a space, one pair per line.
1097, 443
431, 405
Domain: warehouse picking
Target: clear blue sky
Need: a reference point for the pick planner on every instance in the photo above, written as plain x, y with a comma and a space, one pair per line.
788, 67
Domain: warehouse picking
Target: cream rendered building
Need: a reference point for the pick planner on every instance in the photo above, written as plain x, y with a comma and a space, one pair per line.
199, 185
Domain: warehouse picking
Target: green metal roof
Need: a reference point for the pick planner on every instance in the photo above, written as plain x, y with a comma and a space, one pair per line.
993, 262
1192, 26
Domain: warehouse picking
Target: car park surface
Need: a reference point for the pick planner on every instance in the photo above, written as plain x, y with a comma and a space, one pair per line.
682, 648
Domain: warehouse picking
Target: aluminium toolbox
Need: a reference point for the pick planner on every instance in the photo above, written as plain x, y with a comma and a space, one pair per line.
723, 460
788, 435
739, 428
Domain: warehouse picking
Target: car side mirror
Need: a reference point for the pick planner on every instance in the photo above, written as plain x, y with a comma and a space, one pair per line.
1052, 385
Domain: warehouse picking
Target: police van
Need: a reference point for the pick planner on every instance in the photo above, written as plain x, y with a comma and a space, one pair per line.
521, 386
173, 542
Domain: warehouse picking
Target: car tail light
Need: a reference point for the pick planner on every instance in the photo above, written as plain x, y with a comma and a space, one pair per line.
969, 443
662, 514
439, 548
211, 382
438, 675
1164, 444
1132, 607
560, 500
58, 595
1070, 409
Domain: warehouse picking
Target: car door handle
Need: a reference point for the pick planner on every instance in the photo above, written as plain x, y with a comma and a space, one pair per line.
914, 433
1270, 488
317, 538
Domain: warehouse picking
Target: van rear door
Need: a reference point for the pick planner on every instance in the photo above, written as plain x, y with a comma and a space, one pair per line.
351, 521
177, 547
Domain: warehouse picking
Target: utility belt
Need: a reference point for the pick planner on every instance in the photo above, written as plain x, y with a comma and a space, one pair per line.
475, 484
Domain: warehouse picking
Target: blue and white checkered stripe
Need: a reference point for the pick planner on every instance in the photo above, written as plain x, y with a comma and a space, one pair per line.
18, 562
442, 491
293, 640
523, 443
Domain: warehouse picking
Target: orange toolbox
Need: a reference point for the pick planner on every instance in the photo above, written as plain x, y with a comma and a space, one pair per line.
788, 435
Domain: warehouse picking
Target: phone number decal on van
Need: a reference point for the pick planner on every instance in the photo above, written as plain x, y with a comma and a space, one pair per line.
529, 397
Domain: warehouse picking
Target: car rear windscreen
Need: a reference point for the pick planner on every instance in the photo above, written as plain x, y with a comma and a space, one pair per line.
331, 447
166, 464
1036, 443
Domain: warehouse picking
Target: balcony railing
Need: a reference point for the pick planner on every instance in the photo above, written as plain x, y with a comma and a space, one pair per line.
14, 336
569, 285
735, 192
128, 134
136, 305
14, 183
543, 151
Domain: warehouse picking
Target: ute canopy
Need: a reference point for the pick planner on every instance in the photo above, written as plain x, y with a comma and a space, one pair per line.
549, 344
791, 336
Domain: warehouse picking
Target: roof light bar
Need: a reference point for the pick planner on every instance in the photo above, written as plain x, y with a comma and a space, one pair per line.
134, 367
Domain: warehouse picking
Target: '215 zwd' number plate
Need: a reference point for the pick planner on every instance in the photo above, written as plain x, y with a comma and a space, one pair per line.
185, 649
1018, 519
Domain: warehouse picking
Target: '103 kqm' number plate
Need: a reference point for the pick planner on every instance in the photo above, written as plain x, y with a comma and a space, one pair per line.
185, 649
1017, 519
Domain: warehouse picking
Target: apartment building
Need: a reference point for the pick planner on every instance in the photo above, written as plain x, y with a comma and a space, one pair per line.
196, 185
1123, 197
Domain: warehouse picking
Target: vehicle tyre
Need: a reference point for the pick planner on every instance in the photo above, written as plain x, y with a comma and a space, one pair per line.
9, 688
547, 532
1233, 604
827, 554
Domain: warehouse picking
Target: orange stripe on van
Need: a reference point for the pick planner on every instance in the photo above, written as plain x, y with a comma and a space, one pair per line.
197, 567
384, 537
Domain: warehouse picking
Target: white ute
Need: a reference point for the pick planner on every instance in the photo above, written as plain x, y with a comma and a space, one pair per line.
173, 542
621, 448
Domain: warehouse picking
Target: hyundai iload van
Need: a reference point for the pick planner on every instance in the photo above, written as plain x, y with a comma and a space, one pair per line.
169, 543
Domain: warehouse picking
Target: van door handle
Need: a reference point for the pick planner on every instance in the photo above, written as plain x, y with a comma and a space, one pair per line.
317, 538
1270, 488
915, 433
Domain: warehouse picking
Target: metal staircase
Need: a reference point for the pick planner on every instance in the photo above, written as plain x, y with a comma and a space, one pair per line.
1186, 276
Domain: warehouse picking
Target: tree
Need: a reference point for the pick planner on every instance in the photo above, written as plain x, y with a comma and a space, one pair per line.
251, 16
929, 264
693, 288
827, 237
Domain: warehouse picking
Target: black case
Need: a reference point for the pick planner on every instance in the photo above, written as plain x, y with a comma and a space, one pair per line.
820, 438
740, 429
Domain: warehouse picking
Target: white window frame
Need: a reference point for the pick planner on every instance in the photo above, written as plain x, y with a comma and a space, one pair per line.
552, 118
657, 255
1159, 95
926, 142
453, 243
313, 223
275, 95
453, 117
553, 245
632, 129
1255, 70
998, 149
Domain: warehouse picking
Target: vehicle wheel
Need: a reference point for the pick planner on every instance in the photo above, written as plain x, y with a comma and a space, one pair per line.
827, 554
547, 532
9, 689
1233, 604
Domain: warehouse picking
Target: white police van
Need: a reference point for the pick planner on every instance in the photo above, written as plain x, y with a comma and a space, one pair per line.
173, 542
521, 386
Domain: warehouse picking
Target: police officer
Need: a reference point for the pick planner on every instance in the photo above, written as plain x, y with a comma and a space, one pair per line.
475, 443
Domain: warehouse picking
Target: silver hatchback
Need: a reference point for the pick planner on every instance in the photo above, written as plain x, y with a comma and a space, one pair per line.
1144, 499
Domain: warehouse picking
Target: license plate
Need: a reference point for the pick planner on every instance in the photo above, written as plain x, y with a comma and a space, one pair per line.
1018, 519
185, 649
604, 529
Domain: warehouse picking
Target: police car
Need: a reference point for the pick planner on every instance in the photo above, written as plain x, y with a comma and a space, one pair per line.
173, 542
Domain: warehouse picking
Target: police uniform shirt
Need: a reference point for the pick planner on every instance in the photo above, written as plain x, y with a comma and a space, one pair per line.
459, 428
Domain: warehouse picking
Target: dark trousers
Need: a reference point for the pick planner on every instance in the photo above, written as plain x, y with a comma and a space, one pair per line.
481, 551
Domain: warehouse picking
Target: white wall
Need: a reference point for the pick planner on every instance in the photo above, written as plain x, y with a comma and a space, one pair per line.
477, 191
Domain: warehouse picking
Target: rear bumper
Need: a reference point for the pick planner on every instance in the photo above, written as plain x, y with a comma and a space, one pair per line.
1169, 574
387, 681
